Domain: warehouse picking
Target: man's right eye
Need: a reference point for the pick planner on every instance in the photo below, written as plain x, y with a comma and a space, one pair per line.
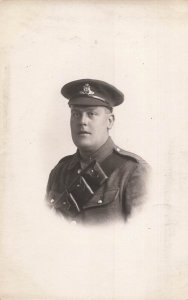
75, 114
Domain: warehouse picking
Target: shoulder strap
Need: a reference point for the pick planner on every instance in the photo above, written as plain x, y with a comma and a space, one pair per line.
111, 162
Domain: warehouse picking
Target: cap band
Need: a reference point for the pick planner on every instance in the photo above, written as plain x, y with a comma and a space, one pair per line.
86, 100
88, 96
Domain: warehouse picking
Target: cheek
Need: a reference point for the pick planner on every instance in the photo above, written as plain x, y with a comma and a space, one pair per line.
104, 124
72, 121
72, 125
100, 127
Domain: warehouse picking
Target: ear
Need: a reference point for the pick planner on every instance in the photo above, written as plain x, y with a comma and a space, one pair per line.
111, 119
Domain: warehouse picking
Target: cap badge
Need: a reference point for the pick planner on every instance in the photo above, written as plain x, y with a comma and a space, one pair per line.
87, 90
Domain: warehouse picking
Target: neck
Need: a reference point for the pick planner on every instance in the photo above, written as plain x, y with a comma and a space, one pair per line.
86, 153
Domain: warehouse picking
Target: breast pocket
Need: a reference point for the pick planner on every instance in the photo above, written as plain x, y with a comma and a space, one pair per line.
103, 199
58, 201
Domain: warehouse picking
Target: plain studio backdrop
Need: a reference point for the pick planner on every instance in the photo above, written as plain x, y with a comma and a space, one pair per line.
141, 47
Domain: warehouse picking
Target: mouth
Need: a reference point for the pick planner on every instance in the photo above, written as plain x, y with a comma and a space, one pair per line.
83, 133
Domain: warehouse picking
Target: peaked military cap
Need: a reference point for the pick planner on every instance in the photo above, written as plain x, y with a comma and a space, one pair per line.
92, 92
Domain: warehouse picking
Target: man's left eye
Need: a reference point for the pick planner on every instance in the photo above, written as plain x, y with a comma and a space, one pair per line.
91, 113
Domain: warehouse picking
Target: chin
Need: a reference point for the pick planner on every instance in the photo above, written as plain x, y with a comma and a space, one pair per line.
84, 147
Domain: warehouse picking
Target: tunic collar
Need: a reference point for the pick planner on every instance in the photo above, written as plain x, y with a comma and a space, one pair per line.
105, 150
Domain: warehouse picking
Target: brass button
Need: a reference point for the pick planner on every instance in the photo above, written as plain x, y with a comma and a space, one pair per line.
79, 171
52, 200
99, 201
118, 149
64, 203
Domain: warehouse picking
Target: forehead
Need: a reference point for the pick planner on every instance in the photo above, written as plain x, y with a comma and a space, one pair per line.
83, 108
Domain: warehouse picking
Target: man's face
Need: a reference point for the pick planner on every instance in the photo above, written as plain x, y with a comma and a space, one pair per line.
89, 126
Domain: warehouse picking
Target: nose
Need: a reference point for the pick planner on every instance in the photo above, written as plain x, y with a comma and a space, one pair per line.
83, 119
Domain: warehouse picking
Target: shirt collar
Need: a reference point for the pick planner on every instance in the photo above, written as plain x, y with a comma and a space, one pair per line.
105, 150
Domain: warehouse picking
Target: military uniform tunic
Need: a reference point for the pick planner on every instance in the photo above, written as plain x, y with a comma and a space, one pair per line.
124, 189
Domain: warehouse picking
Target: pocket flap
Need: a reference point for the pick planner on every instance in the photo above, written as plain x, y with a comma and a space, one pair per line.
102, 198
58, 200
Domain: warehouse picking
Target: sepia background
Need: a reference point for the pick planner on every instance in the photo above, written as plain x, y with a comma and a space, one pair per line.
141, 47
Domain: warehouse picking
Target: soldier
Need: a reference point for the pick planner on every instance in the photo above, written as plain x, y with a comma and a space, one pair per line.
100, 182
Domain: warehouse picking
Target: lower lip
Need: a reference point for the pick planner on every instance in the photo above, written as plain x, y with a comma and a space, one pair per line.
84, 134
